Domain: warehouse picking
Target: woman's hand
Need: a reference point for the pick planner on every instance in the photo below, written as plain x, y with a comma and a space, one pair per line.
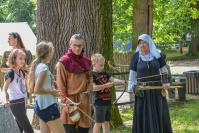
165, 86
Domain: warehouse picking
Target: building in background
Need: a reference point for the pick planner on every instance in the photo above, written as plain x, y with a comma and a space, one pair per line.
119, 46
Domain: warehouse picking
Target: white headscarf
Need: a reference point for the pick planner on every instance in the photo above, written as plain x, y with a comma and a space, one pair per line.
152, 47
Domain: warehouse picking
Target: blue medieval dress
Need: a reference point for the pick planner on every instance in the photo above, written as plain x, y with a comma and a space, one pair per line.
151, 114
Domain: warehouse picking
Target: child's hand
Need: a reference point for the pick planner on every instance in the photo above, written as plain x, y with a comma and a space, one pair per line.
56, 93
109, 84
6, 104
55, 84
125, 84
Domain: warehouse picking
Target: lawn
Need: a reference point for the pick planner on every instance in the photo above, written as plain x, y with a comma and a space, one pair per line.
177, 54
184, 118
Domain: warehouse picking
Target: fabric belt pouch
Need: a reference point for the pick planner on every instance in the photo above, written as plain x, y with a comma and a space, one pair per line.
74, 113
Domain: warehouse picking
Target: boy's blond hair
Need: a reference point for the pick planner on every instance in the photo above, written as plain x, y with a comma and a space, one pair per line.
97, 58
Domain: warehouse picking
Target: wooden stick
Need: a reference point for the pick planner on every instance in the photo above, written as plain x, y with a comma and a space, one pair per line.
157, 87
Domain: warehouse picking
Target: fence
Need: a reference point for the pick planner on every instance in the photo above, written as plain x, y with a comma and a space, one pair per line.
121, 63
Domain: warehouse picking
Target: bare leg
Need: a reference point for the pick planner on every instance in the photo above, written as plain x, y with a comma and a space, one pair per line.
105, 126
97, 127
56, 126
43, 127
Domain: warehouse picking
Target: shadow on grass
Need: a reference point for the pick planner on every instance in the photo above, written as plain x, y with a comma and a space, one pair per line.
184, 117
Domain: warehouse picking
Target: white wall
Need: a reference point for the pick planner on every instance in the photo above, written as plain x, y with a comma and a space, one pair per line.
28, 37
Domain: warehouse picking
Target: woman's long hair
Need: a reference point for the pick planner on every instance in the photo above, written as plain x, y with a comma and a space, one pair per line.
20, 44
42, 51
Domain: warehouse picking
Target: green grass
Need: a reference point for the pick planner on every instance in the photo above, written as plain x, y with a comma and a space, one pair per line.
176, 54
184, 118
127, 122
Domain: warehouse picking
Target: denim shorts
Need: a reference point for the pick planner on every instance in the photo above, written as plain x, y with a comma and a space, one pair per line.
102, 113
48, 114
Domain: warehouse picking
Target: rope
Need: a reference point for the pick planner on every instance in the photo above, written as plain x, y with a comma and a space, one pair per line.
76, 104
85, 114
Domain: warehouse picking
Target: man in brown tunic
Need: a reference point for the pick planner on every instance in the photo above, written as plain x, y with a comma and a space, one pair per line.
74, 77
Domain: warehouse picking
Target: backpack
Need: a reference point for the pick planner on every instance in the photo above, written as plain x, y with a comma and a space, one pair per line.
12, 74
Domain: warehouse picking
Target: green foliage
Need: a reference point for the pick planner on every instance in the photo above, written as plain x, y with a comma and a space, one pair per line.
196, 53
122, 20
18, 11
171, 18
3, 10
126, 114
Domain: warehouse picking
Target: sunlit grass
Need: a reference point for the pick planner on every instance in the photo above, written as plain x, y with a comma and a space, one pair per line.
171, 55
127, 122
184, 118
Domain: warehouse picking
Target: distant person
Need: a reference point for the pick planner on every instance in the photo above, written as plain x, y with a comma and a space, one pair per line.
102, 82
40, 81
188, 40
181, 44
14, 41
16, 88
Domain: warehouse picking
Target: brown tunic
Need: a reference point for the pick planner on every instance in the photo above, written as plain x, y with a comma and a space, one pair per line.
72, 85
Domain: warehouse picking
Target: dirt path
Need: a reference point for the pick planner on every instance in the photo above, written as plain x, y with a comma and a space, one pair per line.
178, 67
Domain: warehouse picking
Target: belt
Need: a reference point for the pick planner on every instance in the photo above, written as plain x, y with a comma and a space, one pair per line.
148, 83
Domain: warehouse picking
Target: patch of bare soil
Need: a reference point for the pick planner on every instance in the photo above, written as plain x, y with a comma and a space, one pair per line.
180, 66
189, 98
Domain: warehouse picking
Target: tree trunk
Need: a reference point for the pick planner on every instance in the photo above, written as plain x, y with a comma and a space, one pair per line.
58, 20
142, 19
195, 35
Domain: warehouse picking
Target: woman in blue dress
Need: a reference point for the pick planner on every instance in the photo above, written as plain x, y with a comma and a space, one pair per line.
147, 67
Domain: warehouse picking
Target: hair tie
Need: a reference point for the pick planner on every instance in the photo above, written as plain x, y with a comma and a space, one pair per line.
39, 57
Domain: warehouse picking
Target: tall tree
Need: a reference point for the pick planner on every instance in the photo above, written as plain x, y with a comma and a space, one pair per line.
142, 19
58, 20
18, 11
195, 27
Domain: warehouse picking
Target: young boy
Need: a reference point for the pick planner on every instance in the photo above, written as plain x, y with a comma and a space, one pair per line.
102, 82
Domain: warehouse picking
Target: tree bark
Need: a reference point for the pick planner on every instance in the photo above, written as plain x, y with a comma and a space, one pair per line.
58, 20
142, 19
195, 35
